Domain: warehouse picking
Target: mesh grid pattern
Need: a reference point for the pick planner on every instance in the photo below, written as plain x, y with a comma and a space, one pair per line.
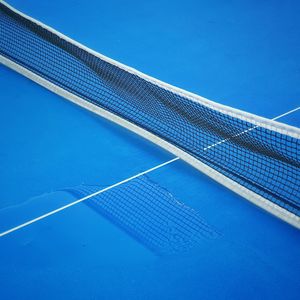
264, 161
150, 214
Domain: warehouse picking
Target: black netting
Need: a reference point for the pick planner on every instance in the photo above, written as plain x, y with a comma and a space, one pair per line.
264, 161
150, 214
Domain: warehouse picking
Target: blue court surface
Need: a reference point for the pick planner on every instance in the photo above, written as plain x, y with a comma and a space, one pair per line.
244, 54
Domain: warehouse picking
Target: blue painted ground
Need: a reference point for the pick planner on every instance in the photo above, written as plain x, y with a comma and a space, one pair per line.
242, 53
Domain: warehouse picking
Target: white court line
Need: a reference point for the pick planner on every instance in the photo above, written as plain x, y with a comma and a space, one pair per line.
250, 129
287, 113
115, 185
85, 198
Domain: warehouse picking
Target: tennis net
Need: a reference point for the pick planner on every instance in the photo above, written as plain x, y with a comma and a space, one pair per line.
253, 156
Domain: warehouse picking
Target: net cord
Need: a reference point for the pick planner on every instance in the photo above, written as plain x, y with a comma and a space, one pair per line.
256, 199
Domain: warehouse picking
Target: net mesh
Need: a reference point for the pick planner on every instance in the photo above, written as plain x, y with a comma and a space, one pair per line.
150, 214
262, 160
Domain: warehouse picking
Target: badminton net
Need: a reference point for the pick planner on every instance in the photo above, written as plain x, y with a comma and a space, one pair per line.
253, 156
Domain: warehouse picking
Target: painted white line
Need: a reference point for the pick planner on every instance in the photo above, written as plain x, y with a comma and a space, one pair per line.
287, 113
55, 211
121, 182
250, 129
